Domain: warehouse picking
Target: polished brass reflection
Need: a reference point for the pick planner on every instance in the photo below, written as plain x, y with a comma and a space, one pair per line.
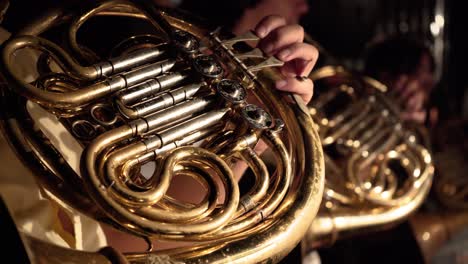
377, 170
178, 99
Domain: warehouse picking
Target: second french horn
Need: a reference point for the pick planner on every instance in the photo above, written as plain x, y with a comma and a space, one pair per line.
378, 171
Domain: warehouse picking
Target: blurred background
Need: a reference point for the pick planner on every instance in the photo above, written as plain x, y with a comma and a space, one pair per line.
346, 28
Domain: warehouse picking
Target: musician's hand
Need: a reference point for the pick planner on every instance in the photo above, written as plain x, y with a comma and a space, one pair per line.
412, 97
286, 43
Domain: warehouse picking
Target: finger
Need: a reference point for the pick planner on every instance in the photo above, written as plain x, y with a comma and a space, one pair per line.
268, 24
418, 117
411, 88
298, 50
297, 67
304, 88
281, 37
400, 83
301, 56
415, 102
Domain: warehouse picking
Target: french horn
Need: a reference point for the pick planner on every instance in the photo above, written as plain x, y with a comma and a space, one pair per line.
185, 97
378, 170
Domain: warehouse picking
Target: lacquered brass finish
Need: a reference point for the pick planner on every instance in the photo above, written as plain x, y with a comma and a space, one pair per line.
377, 171
179, 99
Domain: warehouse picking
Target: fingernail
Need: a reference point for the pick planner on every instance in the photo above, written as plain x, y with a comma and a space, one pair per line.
281, 83
261, 32
283, 55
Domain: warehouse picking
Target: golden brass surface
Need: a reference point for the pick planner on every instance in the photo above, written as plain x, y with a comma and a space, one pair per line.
177, 97
377, 170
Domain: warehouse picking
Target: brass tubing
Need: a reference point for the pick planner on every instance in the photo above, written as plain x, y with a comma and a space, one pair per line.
171, 114
143, 225
262, 180
181, 252
367, 136
329, 226
189, 139
72, 99
286, 225
330, 194
146, 72
342, 129
351, 171
80, 20
190, 211
240, 251
218, 142
159, 102
275, 193
58, 82
411, 192
365, 125
112, 137
118, 157
150, 87
371, 195
336, 120
185, 212
385, 177
326, 228
391, 188
426, 172
381, 183
65, 61
201, 122
380, 143
238, 144
354, 108
277, 146
124, 13
270, 235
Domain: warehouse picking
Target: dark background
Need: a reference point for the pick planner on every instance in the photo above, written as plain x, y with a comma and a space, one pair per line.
345, 28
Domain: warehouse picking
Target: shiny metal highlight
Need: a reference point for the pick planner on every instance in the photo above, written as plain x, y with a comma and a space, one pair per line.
377, 170
165, 101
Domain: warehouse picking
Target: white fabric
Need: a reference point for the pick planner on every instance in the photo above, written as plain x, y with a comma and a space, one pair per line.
38, 216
